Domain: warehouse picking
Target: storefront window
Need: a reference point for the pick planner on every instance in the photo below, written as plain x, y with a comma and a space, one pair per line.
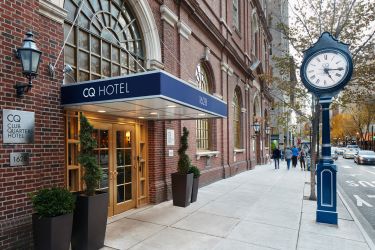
103, 41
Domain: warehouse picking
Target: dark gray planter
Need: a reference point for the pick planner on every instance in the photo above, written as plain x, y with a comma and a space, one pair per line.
52, 232
194, 191
181, 189
90, 221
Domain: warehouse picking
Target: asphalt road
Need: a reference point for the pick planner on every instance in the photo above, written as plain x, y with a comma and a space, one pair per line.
357, 184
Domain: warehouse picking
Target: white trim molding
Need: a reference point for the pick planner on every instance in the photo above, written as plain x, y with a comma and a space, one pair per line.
168, 15
238, 151
243, 110
224, 66
183, 29
150, 33
208, 154
247, 87
53, 9
230, 71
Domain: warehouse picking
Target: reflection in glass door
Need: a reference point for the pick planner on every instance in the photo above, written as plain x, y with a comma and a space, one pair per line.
102, 134
124, 167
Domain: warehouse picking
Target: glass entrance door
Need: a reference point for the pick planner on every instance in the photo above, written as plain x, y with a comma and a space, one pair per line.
116, 156
124, 181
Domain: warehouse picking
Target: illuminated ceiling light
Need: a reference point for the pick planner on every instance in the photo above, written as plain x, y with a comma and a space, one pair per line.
102, 111
201, 114
141, 117
171, 106
153, 113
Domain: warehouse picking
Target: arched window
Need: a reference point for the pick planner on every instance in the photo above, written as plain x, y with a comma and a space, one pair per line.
255, 34
237, 104
103, 41
236, 14
203, 126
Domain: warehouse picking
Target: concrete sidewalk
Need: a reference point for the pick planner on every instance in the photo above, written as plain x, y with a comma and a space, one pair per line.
259, 209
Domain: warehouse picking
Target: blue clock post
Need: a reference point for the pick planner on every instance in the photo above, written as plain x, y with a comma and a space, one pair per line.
326, 68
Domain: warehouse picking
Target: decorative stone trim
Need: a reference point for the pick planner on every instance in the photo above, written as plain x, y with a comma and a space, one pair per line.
51, 10
183, 29
224, 67
168, 15
239, 151
207, 53
218, 96
243, 110
230, 71
223, 22
207, 153
247, 87
155, 64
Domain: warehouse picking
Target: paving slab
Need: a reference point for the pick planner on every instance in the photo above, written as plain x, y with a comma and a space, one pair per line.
227, 244
207, 223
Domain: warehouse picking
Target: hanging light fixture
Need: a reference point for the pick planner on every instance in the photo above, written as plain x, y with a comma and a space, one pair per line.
29, 54
256, 127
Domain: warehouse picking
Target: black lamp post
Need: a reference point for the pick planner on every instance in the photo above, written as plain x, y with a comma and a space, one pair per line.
30, 58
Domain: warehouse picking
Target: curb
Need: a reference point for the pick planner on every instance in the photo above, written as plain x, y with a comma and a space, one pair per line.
368, 240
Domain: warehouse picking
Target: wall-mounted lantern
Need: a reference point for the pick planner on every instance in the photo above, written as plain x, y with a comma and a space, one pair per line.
256, 127
30, 58
268, 130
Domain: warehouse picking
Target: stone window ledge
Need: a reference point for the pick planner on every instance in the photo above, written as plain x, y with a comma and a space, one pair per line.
239, 151
207, 153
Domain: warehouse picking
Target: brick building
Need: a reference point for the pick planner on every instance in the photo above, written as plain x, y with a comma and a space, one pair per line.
214, 50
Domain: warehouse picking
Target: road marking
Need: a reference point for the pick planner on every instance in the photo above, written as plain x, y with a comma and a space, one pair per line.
369, 171
373, 167
360, 202
371, 196
346, 166
354, 175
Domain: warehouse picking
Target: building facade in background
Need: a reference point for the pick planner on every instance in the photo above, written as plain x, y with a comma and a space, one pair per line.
104, 59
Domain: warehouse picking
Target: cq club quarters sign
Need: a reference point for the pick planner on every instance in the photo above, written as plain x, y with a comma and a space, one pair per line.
18, 126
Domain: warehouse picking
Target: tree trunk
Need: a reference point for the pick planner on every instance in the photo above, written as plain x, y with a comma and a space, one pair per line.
315, 125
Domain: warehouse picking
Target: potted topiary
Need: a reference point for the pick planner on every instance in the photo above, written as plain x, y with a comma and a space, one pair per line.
196, 173
90, 215
182, 180
53, 220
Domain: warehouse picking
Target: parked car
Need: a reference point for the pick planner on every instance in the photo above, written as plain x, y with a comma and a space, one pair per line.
355, 147
339, 151
365, 157
349, 153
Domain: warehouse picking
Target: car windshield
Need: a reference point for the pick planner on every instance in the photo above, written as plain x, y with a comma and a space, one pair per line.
366, 153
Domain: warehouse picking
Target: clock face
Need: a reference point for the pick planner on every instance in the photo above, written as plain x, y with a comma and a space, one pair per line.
326, 69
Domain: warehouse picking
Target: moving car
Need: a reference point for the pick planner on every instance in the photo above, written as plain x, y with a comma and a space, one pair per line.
349, 153
365, 157
339, 151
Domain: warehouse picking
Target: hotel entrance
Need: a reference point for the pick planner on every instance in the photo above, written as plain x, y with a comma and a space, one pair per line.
121, 154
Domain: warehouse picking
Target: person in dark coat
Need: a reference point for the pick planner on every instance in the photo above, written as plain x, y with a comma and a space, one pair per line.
276, 154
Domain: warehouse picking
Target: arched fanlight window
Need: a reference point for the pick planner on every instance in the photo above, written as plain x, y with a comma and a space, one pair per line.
203, 126
103, 41
237, 104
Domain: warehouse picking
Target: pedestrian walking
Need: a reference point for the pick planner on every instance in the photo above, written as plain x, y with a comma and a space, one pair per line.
294, 156
276, 157
302, 155
288, 156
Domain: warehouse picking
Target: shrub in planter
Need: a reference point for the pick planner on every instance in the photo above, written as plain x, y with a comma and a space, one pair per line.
90, 215
53, 220
196, 173
182, 181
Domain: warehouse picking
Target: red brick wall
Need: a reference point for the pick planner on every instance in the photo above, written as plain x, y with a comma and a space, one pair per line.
47, 152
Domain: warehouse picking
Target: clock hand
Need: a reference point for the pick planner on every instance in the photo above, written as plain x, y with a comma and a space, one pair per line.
335, 69
327, 72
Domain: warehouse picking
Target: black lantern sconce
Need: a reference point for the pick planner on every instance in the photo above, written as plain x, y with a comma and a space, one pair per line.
268, 130
256, 127
30, 58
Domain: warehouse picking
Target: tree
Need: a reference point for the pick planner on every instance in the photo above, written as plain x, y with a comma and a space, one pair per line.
350, 21
342, 126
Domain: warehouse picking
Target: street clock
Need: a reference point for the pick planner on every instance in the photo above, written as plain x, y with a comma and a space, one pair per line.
327, 66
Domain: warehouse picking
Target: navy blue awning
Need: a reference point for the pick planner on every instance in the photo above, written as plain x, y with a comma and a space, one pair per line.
153, 95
